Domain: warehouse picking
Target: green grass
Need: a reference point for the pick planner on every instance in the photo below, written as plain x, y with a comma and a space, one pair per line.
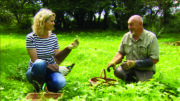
94, 53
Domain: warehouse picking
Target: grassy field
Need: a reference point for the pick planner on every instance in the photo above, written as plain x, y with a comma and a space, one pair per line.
94, 53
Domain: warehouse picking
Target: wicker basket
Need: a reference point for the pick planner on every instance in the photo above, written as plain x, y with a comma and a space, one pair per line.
43, 96
104, 79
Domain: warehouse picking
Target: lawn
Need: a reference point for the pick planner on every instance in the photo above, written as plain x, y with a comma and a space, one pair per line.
94, 53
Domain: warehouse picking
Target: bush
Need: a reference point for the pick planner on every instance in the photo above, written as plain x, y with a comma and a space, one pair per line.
25, 24
158, 28
174, 24
5, 18
8, 23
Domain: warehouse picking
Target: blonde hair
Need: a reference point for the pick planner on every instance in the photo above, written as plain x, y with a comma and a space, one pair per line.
40, 19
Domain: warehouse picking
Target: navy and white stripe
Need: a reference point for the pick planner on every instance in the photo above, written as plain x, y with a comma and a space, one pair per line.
44, 46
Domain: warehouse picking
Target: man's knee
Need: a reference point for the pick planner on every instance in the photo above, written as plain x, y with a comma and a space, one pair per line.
120, 73
143, 75
39, 68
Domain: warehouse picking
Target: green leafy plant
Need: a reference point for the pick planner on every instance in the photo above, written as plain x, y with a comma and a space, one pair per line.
95, 51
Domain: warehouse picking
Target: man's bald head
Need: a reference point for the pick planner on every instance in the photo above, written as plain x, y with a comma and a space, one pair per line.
135, 25
137, 18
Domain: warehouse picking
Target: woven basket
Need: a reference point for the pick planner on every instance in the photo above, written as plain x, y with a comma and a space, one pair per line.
104, 79
43, 96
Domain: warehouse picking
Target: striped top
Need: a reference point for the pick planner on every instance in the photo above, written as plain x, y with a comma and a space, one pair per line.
44, 46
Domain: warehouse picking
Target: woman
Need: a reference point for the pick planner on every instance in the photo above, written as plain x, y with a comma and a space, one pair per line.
43, 49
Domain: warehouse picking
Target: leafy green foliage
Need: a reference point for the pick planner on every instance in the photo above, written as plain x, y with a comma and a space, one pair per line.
84, 14
174, 23
94, 53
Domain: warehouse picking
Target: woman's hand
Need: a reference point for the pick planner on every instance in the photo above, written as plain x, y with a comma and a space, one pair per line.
64, 70
74, 44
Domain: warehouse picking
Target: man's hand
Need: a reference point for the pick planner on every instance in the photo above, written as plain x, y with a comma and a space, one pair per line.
128, 64
74, 44
53, 67
111, 64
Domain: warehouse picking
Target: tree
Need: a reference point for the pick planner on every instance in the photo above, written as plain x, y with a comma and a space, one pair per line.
81, 14
123, 9
163, 10
22, 10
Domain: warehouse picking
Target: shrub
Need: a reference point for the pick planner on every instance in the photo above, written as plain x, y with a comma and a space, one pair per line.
174, 24
25, 24
5, 18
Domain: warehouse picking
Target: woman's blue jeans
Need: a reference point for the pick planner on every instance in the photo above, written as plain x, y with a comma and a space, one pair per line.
55, 80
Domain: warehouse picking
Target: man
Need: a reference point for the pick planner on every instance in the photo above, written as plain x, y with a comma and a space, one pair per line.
141, 50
